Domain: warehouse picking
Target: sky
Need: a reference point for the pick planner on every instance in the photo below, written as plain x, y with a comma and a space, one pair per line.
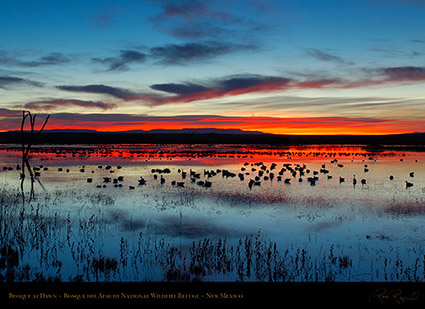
283, 66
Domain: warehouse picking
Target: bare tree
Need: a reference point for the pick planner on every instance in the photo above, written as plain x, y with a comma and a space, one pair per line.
26, 147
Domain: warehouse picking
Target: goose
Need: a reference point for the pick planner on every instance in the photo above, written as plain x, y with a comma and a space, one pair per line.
251, 183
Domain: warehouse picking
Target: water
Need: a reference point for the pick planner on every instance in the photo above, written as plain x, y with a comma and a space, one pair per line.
65, 227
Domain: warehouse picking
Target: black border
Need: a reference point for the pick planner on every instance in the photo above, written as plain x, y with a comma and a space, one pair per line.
379, 294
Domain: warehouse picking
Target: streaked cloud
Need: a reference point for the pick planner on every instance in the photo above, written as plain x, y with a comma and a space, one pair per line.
57, 104
172, 54
401, 74
121, 62
10, 81
194, 52
326, 56
48, 60
115, 92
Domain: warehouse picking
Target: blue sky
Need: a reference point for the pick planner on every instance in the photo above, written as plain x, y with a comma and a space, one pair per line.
342, 66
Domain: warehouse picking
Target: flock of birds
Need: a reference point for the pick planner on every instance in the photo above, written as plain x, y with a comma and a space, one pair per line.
256, 172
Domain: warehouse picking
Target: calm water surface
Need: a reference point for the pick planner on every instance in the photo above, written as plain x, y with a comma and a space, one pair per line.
212, 225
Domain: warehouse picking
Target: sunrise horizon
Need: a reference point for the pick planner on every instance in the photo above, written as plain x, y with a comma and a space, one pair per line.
277, 67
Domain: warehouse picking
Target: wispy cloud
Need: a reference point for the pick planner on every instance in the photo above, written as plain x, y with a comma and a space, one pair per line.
9, 81
121, 62
57, 104
193, 19
185, 92
173, 54
407, 73
115, 92
194, 52
326, 56
48, 60
235, 84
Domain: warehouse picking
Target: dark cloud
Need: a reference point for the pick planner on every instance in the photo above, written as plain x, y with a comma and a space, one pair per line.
326, 56
403, 73
180, 89
47, 105
173, 54
195, 19
194, 52
50, 59
235, 84
186, 8
119, 93
121, 62
8, 81
199, 30
253, 82
190, 10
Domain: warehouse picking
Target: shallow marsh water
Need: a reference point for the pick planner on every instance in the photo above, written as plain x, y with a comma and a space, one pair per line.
75, 229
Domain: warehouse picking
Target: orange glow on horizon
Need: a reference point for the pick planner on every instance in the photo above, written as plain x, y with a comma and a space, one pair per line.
334, 130
273, 125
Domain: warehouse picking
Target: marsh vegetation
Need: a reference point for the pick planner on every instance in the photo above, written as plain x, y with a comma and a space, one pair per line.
71, 229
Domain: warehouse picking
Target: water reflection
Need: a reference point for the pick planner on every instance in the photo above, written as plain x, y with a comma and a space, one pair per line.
81, 227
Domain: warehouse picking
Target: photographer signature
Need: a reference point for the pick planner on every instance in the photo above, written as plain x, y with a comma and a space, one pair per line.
395, 295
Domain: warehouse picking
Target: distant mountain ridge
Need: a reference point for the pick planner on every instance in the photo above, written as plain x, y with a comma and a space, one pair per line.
196, 131
159, 131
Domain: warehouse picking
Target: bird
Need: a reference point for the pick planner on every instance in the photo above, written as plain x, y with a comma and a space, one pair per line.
391, 177
250, 184
341, 179
412, 174
363, 181
312, 180
409, 184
